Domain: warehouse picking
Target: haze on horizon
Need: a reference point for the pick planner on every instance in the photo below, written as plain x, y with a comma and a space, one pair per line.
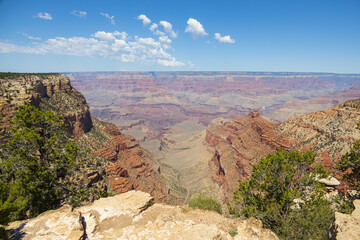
140, 35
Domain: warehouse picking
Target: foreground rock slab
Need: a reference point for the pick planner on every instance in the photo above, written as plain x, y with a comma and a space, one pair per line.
347, 226
62, 223
133, 215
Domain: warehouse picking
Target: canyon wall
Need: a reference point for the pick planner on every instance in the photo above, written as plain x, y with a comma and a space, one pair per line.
120, 163
241, 142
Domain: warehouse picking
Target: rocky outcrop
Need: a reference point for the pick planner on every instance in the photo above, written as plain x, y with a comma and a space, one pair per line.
241, 142
238, 144
48, 91
346, 226
330, 133
133, 215
129, 167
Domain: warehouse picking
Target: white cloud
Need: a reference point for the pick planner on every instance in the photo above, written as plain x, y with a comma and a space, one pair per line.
113, 45
224, 39
153, 27
155, 30
108, 36
111, 18
79, 13
123, 35
30, 37
195, 29
46, 16
144, 19
168, 28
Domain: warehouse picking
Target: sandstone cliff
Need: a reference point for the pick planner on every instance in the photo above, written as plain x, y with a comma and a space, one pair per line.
129, 167
52, 92
133, 215
238, 144
241, 142
120, 162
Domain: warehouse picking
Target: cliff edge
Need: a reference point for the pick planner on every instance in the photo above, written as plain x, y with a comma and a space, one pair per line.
133, 215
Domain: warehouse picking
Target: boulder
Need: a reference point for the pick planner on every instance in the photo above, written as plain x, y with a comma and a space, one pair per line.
346, 226
330, 181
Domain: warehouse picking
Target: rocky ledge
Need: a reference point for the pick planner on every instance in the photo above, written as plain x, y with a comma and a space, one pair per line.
133, 215
346, 226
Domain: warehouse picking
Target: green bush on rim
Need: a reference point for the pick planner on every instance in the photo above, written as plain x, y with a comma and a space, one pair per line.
206, 203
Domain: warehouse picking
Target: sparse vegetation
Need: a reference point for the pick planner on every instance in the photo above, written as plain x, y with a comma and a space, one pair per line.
206, 203
233, 233
269, 195
350, 165
16, 74
37, 166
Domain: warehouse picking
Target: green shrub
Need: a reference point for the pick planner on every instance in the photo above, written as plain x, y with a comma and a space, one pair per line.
233, 233
206, 203
350, 165
269, 195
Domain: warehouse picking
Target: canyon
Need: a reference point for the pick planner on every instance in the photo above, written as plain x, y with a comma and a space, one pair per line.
182, 146
205, 130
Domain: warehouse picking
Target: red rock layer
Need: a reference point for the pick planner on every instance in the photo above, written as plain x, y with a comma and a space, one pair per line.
243, 141
130, 168
239, 143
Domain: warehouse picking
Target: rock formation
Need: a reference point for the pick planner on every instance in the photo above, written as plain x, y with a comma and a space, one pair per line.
129, 167
120, 163
133, 215
330, 133
52, 91
238, 144
241, 142
346, 226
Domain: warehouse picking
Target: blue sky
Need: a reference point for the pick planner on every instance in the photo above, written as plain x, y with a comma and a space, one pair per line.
172, 35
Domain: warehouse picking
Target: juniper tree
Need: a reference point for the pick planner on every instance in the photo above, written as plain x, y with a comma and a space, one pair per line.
269, 195
35, 163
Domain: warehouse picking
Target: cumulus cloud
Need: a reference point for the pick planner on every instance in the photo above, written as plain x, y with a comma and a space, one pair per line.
153, 27
113, 45
144, 19
110, 36
79, 13
111, 18
168, 28
155, 30
224, 39
30, 37
45, 15
195, 28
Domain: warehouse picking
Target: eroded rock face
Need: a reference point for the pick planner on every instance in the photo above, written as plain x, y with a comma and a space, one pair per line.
239, 143
346, 226
133, 215
49, 92
129, 167
330, 133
